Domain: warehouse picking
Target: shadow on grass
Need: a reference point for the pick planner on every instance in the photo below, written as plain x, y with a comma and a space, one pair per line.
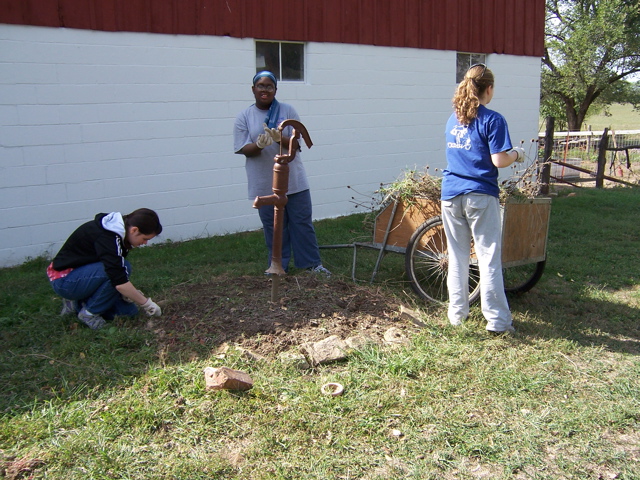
553, 311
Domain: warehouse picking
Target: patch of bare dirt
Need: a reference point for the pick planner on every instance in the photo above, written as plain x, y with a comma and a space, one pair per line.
19, 468
240, 311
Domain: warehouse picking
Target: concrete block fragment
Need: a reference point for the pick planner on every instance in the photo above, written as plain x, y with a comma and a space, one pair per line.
249, 355
294, 359
411, 315
330, 349
224, 378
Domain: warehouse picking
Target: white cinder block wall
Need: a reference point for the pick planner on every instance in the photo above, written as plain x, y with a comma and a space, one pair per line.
100, 121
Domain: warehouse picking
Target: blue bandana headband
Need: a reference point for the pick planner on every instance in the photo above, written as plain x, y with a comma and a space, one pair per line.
274, 110
265, 73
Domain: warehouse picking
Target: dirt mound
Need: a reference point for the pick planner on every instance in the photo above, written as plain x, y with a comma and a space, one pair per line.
240, 311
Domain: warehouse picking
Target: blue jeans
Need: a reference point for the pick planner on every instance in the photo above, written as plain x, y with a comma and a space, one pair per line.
90, 286
298, 234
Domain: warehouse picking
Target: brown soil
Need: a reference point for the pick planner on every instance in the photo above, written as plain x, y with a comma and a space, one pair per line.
240, 311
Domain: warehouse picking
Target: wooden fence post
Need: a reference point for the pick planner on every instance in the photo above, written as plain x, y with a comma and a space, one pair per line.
545, 172
602, 158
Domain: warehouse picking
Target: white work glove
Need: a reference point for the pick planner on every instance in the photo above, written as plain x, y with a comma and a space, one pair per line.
264, 140
520, 152
274, 133
151, 308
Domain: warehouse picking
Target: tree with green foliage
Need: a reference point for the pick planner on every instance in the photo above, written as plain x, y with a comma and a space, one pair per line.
592, 50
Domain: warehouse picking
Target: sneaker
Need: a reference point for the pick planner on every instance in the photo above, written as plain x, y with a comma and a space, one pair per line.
507, 331
69, 306
94, 322
320, 269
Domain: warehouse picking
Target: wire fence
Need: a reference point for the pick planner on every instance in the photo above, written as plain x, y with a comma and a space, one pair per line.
581, 149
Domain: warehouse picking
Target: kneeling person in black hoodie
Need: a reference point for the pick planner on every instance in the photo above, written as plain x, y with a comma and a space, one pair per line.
90, 271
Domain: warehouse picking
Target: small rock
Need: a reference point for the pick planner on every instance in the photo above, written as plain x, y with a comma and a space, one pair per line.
248, 354
225, 378
295, 359
330, 349
411, 315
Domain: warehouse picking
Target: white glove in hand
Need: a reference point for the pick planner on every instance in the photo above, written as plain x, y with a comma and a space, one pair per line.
264, 140
151, 308
274, 133
520, 152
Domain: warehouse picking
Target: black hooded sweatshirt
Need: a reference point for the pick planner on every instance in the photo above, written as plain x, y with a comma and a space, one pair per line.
99, 240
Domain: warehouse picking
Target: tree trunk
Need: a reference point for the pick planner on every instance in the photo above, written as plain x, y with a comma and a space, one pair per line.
572, 114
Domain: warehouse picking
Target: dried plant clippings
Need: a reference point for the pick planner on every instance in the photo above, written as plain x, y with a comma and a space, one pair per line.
413, 184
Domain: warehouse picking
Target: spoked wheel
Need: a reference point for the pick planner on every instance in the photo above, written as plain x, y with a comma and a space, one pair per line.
427, 261
522, 278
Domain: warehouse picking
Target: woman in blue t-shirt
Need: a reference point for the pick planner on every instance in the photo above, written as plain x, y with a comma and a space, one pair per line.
477, 144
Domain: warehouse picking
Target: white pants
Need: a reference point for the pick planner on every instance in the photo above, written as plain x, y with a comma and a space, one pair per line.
475, 215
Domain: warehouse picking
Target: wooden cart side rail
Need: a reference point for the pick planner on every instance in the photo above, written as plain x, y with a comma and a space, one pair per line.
525, 227
396, 223
525, 231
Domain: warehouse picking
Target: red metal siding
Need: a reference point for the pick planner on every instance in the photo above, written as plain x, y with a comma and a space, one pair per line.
483, 26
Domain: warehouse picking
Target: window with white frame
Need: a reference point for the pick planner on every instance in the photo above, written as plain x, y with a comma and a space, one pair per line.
465, 60
284, 59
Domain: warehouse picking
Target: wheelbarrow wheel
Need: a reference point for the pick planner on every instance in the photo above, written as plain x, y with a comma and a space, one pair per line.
427, 261
522, 278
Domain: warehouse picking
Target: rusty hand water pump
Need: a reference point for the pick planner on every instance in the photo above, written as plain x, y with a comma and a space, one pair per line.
279, 197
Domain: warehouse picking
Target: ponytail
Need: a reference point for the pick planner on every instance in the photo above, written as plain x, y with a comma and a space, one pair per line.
466, 100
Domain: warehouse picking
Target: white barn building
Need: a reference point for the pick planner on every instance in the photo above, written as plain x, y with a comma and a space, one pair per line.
100, 112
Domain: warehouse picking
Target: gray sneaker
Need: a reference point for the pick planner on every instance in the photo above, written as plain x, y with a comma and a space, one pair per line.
94, 322
320, 269
69, 306
510, 330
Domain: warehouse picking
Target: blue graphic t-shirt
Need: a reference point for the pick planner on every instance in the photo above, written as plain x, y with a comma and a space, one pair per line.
469, 148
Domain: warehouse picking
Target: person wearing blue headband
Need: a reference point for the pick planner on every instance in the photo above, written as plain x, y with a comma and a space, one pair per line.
256, 136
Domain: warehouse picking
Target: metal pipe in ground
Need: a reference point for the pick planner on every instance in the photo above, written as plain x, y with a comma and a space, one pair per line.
275, 288
279, 198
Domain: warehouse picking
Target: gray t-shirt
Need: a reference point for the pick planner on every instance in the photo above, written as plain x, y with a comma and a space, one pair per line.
247, 127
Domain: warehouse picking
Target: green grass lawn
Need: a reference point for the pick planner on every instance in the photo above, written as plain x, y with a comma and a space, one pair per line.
619, 117
560, 399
